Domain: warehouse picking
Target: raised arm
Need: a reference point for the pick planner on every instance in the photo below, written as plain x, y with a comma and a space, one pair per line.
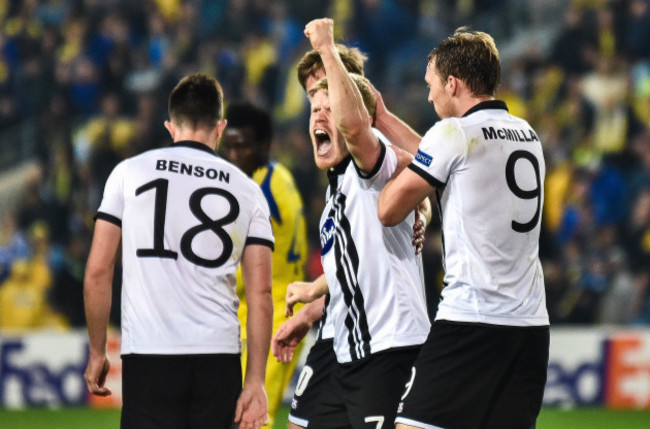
350, 113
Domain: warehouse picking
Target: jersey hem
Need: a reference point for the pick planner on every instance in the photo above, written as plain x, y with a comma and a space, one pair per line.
180, 350
495, 320
386, 346
416, 423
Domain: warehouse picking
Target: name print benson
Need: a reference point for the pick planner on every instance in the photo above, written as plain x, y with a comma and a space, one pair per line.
512, 134
192, 170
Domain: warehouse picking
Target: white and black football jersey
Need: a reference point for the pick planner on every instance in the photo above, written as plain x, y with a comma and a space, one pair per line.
186, 216
377, 297
488, 170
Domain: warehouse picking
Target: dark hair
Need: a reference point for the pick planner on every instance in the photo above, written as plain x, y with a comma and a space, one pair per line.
196, 101
472, 57
311, 62
245, 114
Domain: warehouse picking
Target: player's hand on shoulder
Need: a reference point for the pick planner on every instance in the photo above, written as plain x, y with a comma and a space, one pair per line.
418, 232
380, 109
403, 159
320, 33
252, 410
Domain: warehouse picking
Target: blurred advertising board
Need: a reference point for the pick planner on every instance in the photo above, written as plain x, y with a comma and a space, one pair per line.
45, 369
607, 366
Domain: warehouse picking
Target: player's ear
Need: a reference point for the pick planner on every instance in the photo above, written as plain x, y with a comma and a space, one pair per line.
171, 128
221, 126
452, 85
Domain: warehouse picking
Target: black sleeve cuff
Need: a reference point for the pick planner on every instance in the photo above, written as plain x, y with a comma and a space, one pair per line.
261, 241
108, 218
426, 176
377, 166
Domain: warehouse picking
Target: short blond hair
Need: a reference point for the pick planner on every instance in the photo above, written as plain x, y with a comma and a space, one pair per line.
368, 96
352, 58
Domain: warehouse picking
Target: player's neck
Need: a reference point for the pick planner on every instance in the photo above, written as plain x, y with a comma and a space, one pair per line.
465, 103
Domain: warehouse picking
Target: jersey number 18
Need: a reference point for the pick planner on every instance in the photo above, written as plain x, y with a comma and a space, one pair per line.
215, 225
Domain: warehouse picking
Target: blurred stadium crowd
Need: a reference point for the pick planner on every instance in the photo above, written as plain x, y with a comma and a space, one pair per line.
83, 85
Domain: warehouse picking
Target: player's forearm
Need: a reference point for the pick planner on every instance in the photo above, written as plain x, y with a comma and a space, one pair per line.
398, 131
258, 328
256, 273
425, 210
347, 105
97, 303
318, 288
312, 312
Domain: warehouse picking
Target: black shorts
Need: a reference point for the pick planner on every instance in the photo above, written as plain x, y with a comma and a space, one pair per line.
321, 361
477, 376
364, 394
185, 391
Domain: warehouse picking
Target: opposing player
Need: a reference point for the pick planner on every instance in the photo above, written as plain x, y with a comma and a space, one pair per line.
484, 364
185, 220
246, 142
371, 271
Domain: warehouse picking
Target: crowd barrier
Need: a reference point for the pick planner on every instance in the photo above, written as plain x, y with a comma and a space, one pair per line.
605, 366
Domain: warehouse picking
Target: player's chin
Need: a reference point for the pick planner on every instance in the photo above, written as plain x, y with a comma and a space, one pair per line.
323, 162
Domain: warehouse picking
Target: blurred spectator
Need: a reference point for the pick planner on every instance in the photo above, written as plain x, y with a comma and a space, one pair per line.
86, 80
13, 245
24, 300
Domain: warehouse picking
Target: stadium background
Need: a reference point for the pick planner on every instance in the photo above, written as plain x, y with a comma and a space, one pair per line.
83, 84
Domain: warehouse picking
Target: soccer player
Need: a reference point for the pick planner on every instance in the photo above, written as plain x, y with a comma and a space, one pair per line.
372, 272
321, 358
246, 142
484, 363
185, 219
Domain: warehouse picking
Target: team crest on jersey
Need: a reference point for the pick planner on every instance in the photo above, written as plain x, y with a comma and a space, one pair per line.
423, 158
327, 236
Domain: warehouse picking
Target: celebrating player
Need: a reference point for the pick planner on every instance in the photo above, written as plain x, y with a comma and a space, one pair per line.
321, 358
371, 271
484, 363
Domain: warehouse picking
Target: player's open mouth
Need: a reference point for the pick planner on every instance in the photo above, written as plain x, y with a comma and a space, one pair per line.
323, 142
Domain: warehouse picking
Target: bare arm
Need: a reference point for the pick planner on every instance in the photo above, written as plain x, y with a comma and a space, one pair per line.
98, 283
291, 332
252, 407
349, 111
400, 196
305, 292
396, 130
